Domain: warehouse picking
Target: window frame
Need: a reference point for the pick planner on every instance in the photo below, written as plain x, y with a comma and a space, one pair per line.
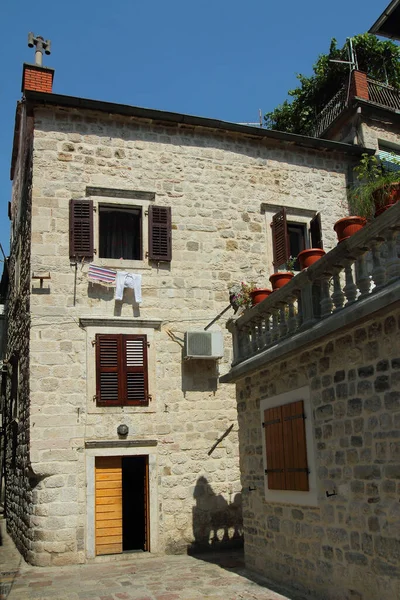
143, 205
124, 209
306, 498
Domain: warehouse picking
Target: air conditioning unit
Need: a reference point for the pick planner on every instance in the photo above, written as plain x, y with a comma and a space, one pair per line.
203, 344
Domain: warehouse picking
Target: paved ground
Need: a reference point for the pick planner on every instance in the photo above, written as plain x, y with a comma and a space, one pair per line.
140, 577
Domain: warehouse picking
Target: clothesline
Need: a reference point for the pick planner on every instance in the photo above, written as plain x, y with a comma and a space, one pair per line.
118, 279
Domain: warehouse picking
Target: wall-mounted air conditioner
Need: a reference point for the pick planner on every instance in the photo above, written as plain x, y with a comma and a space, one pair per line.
203, 344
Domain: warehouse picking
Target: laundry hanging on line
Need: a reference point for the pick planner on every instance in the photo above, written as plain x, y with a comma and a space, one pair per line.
128, 280
102, 276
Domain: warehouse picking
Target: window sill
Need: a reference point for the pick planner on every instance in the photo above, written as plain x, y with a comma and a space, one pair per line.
123, 265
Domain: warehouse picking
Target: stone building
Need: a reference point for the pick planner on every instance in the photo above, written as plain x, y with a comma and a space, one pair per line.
318, 397
114, 440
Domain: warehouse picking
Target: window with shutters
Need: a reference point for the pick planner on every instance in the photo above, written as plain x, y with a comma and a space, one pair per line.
121, 370
110, 232
289, 237
289, 459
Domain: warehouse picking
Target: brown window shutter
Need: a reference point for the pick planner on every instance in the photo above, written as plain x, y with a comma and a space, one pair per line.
81, 229
160, 238
274, 448
135, 369
316, 232
108, 370
280, 238
294, 442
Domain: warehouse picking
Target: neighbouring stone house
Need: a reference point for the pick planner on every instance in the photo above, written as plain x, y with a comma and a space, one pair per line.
366, 114
114, 440
318, 398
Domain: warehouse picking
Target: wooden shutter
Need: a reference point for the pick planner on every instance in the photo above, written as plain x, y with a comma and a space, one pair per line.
294, 442
135, 369
108, 370
274, 448
280, 238
108, 515
121, 370
316, 232
160, 238
286, 451
81, 229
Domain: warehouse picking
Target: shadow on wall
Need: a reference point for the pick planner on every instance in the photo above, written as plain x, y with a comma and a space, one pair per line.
199, 375
217, 524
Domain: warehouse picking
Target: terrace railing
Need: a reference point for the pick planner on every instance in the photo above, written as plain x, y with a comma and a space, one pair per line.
329, 113
383, 94
355, 270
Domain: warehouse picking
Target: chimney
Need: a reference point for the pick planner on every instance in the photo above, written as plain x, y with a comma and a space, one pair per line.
37, 77
359, 85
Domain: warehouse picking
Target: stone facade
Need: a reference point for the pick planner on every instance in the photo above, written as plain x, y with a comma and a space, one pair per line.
344, 546
215, 183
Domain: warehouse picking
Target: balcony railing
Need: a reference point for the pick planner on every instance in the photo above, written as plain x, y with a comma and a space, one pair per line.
348, 280
329, 113
383, 94
378, 93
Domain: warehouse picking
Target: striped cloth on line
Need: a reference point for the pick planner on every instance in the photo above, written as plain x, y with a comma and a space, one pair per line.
101, 275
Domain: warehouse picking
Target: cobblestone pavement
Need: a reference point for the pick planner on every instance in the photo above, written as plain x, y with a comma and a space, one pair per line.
145, 578
133, 577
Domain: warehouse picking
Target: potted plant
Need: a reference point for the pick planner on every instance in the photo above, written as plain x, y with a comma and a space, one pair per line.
244, 295
348, 226
281, 278
377, 187
309, 256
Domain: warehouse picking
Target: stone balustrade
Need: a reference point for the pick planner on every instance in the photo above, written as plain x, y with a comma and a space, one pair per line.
343, 281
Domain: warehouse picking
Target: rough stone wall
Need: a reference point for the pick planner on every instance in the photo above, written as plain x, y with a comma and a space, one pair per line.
374, 131
347, 547
18, 477
215, 184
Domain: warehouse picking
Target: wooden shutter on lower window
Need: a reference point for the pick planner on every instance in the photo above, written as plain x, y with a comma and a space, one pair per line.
316, 232
274, 448
81, 229
294, 442
135, 369
160, 238
280, 238
108, 370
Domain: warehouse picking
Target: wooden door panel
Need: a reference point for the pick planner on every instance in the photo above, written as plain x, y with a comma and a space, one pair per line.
108, 516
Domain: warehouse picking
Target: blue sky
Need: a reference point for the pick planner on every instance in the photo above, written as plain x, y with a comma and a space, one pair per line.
222, 59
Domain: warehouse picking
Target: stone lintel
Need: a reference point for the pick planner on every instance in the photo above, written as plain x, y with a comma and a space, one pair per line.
121, 444
118, 193
118, 322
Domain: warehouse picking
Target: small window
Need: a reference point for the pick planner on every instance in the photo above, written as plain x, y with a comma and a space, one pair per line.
121, 370
285, 446
120, 233
290, 238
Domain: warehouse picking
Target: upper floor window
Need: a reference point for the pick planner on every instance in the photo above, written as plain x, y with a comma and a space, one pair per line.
289, 238
389, 156
120, 232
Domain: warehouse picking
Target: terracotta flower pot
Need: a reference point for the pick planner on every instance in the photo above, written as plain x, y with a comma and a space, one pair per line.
309, 257
259, 295
384, 198
280, 279
348, 226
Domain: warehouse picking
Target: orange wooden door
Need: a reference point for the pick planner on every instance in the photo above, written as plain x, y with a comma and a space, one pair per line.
108, 519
